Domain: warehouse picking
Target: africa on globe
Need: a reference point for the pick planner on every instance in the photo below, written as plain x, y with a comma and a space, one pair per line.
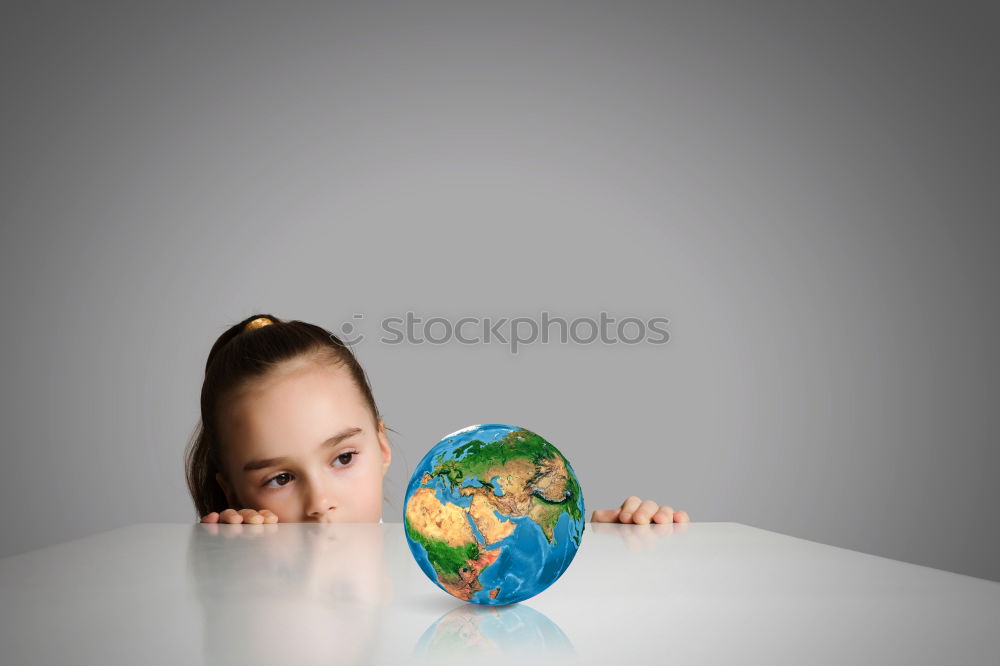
493, 514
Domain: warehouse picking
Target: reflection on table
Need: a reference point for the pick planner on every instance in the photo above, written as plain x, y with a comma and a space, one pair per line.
310, 594
472, 630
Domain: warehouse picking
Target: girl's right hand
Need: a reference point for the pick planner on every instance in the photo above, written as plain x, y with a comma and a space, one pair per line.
249, 516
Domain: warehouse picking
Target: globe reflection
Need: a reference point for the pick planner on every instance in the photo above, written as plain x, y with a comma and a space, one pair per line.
487, 631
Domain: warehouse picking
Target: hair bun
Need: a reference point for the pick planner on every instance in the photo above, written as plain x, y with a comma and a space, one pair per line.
257, 323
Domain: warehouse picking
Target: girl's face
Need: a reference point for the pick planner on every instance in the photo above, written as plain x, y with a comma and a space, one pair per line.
303, 443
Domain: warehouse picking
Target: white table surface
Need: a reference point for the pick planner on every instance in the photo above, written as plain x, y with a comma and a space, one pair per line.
160, 593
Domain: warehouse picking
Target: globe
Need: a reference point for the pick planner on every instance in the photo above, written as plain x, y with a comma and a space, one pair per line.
493, 514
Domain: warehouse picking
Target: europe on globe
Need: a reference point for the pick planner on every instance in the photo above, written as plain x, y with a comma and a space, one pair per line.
493, 514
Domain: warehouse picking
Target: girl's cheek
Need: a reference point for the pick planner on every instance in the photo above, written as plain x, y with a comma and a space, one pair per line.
372, 493
279, 507
260, 498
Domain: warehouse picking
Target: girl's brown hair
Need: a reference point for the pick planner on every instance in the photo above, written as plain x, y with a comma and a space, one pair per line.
242, 354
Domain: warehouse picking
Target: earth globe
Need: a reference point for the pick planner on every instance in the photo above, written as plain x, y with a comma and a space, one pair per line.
493, 514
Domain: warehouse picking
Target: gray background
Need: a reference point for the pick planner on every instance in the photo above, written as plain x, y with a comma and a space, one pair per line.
807, 192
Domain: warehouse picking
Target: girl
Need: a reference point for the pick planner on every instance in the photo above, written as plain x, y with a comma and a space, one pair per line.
290, 432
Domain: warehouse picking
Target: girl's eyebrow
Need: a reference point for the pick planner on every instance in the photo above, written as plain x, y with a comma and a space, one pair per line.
274, 462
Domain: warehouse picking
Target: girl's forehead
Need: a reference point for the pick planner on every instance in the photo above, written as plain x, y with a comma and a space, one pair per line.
303, 401
291, 380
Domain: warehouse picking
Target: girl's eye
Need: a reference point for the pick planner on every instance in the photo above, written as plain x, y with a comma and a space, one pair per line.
345, 458
283, 474
349, 455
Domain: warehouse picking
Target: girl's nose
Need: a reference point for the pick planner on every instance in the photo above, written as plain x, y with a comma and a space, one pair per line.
320, 507
319, 501
319, 511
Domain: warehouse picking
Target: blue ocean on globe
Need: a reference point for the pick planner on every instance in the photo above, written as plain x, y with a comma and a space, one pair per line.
494, 514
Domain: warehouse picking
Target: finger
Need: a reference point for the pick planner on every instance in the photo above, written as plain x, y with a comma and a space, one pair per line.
251, 517
645, 511
605, 515
681, 517
269, 516
230, 516
211, 517
628, 507
664, 514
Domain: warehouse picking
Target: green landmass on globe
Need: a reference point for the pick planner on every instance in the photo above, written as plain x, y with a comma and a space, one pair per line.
468, 504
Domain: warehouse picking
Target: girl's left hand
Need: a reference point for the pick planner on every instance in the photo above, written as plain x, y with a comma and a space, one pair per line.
638, 512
